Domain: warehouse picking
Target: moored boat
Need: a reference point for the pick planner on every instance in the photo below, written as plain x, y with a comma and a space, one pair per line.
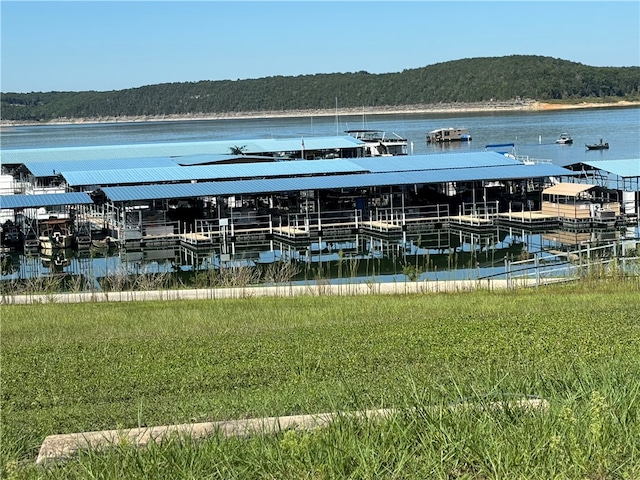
377, 144
451, 134
564, 139
56, 234
598, 146
11, 235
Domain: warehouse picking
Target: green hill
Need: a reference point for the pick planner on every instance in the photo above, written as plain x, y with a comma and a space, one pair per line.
468, 80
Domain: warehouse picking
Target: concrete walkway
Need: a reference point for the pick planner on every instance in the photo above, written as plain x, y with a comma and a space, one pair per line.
392, 288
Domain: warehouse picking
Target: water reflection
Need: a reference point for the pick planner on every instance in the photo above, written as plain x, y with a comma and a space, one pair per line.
443, 254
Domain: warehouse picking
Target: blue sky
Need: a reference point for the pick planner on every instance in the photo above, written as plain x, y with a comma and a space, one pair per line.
92, 45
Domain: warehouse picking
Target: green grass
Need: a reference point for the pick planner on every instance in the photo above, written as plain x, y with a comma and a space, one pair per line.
72, 368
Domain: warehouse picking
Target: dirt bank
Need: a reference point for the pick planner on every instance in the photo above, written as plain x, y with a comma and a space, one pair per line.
406, 109
562, 106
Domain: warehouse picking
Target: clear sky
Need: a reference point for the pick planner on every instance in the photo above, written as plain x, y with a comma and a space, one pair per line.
92, 45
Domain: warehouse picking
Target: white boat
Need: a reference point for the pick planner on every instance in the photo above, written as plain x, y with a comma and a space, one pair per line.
377, 144
451, 134
56, 234
564, 139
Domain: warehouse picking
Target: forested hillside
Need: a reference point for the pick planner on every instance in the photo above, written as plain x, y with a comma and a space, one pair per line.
467, 80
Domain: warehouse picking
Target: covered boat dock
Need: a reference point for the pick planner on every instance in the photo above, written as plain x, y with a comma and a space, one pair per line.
200, 196
623, 176
298, 201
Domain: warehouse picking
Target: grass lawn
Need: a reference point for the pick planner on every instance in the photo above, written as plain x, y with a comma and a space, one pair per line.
92, 366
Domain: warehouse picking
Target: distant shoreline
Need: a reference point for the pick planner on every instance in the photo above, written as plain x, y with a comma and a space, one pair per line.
407, 109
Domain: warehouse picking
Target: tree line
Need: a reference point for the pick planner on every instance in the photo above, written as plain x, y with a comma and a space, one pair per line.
467, 80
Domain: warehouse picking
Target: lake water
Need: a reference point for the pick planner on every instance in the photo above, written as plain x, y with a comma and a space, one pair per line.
534, 134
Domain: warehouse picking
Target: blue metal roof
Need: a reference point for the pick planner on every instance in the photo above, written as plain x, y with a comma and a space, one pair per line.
224, 188
44, 200
290, 168
210, 172
174, 149
623, 168
47, 169
437, 161
202, 159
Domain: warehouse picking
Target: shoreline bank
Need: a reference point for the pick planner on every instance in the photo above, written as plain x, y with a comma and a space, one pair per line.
387, 110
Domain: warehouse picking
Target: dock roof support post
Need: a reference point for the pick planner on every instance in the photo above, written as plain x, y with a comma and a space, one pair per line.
123, 210
484, 200
317, 195
473, 198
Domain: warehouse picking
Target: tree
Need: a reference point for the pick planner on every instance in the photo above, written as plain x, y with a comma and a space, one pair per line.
235, 150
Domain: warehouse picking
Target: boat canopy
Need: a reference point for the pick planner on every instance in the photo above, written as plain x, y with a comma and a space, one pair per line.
567, 189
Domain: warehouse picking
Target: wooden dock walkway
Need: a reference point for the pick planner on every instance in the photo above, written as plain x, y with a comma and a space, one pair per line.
528, 218
381, 226
197, 240
472, 220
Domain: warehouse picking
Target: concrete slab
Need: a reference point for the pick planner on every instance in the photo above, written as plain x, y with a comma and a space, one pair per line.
64, 446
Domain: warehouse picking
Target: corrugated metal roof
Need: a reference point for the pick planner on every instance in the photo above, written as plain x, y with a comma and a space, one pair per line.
224, 188
46, 169
568, 189
44, 200
437, 161
209, 172
221, 159
623, 168
290, 168
173, 149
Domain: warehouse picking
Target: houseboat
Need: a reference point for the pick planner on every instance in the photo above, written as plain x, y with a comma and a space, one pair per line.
56, 233
451, 134
377, 144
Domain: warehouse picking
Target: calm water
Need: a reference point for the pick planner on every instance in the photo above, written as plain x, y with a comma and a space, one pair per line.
534, 134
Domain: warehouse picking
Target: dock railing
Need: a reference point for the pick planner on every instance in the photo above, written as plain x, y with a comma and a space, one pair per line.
437, 213
319, 223
555, 266
385, 218
251, 225
338, 219
477, 215
397, 217
485, 211
293, 224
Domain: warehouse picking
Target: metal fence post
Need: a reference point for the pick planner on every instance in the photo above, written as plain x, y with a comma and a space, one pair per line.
507, 271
